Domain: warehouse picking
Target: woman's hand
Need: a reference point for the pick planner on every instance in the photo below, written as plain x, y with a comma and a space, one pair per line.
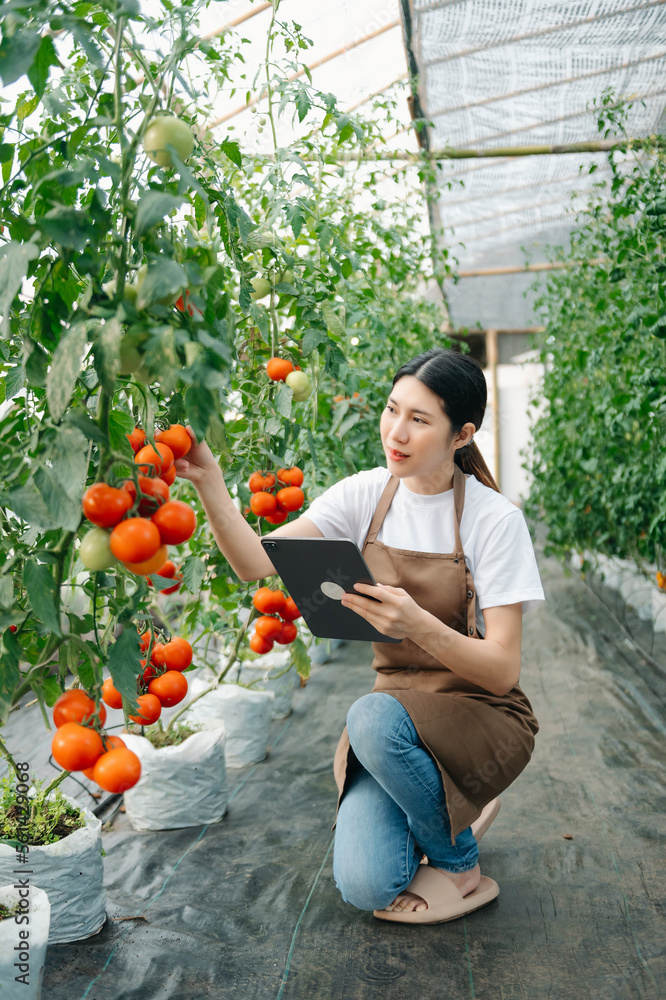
398, 615
198, 462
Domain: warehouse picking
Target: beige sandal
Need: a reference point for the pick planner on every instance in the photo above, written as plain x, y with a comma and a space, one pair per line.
443, 898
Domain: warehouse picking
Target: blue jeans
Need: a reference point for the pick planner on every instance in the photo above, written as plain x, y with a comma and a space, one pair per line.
394, 809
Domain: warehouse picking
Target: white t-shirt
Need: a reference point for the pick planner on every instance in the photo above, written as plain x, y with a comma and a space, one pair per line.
493, 531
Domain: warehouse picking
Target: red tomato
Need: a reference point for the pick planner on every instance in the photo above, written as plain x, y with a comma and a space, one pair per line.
169, 476
144, 640
268, 601
111, 694
288, 633
177, 438
260, 481
263, 504
170, 688
75, 706
158, 461
290, 612
104, 505
137, 439
176, 522
278, 517
175, 655
268, 627
291, 498
135, 539
76, 747
110, 743
278, 369
168, 570
260, 645
290, 477
148, 566
150, 708
117, 770
155, 490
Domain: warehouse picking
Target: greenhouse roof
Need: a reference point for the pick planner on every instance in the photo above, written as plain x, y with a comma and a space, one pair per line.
490, 74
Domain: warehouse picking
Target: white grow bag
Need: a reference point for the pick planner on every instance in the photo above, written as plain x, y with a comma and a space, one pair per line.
71, 872
261, 674
246, 715
184, 785
31, 934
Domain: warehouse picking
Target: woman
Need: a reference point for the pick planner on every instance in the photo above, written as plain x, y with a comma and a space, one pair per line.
446, 727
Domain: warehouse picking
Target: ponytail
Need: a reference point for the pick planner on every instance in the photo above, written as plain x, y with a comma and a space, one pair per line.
470, 460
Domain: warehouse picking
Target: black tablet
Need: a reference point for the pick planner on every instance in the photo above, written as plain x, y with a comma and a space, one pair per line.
316, 573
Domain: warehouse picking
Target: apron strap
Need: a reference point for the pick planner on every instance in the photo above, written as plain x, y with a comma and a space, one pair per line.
459, 482
380, 511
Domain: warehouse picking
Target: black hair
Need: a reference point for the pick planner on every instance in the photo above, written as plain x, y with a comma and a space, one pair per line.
459, 382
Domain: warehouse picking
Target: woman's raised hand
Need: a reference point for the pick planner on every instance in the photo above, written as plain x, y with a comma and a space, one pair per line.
198, 462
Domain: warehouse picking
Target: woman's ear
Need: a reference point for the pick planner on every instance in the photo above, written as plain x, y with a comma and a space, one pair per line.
466, 434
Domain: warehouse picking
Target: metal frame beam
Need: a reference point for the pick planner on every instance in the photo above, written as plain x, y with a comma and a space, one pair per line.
236, 21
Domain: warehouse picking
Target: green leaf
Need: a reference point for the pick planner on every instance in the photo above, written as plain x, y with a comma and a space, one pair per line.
164, 282
335, 363
300, 657
65, 511
14, 381
46, 56
283, 399
65, 369
125, 662
333, 324
41, 590
69, 460
347, 268
152, 208
27, 503
14, 263
6, 591
69, 227
17, 52
120, 424
50, 689
10, 674
348, 422
86, 424
194, 571
107, 339
231, 149
311, 339
200, 406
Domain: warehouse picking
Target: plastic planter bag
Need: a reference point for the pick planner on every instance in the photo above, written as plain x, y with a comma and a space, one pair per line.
30, 930
72, 874
246, 715
184, 785
262, 673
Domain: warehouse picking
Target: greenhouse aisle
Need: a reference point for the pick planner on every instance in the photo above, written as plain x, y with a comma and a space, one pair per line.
247, 908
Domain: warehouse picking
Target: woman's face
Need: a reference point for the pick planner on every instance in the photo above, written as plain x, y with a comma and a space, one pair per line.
416, 436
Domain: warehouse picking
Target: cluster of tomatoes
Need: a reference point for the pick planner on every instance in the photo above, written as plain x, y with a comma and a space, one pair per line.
161, 683
80, 744
276, 622
283, 370
276, 507
136, 529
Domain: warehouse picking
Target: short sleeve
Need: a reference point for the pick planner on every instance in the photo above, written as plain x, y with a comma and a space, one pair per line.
333, 513
506, 571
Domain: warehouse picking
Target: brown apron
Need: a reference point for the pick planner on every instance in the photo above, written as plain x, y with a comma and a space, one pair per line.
480, 741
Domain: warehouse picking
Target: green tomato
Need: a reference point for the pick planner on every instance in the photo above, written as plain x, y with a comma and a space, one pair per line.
164, 130
131, 358
262, 288
300, 383
95, 552
287, 277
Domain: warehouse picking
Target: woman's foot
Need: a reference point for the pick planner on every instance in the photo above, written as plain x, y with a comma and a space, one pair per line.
465, 881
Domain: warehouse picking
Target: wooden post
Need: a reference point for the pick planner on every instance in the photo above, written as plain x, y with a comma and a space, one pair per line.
491, 358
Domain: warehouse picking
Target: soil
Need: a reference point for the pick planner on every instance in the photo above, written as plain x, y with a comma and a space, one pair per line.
66, 824
159, 738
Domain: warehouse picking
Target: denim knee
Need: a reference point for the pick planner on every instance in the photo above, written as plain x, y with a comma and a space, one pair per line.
363, 889
372, 722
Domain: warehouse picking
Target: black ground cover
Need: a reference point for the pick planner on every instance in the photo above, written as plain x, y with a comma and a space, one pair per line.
247, 908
